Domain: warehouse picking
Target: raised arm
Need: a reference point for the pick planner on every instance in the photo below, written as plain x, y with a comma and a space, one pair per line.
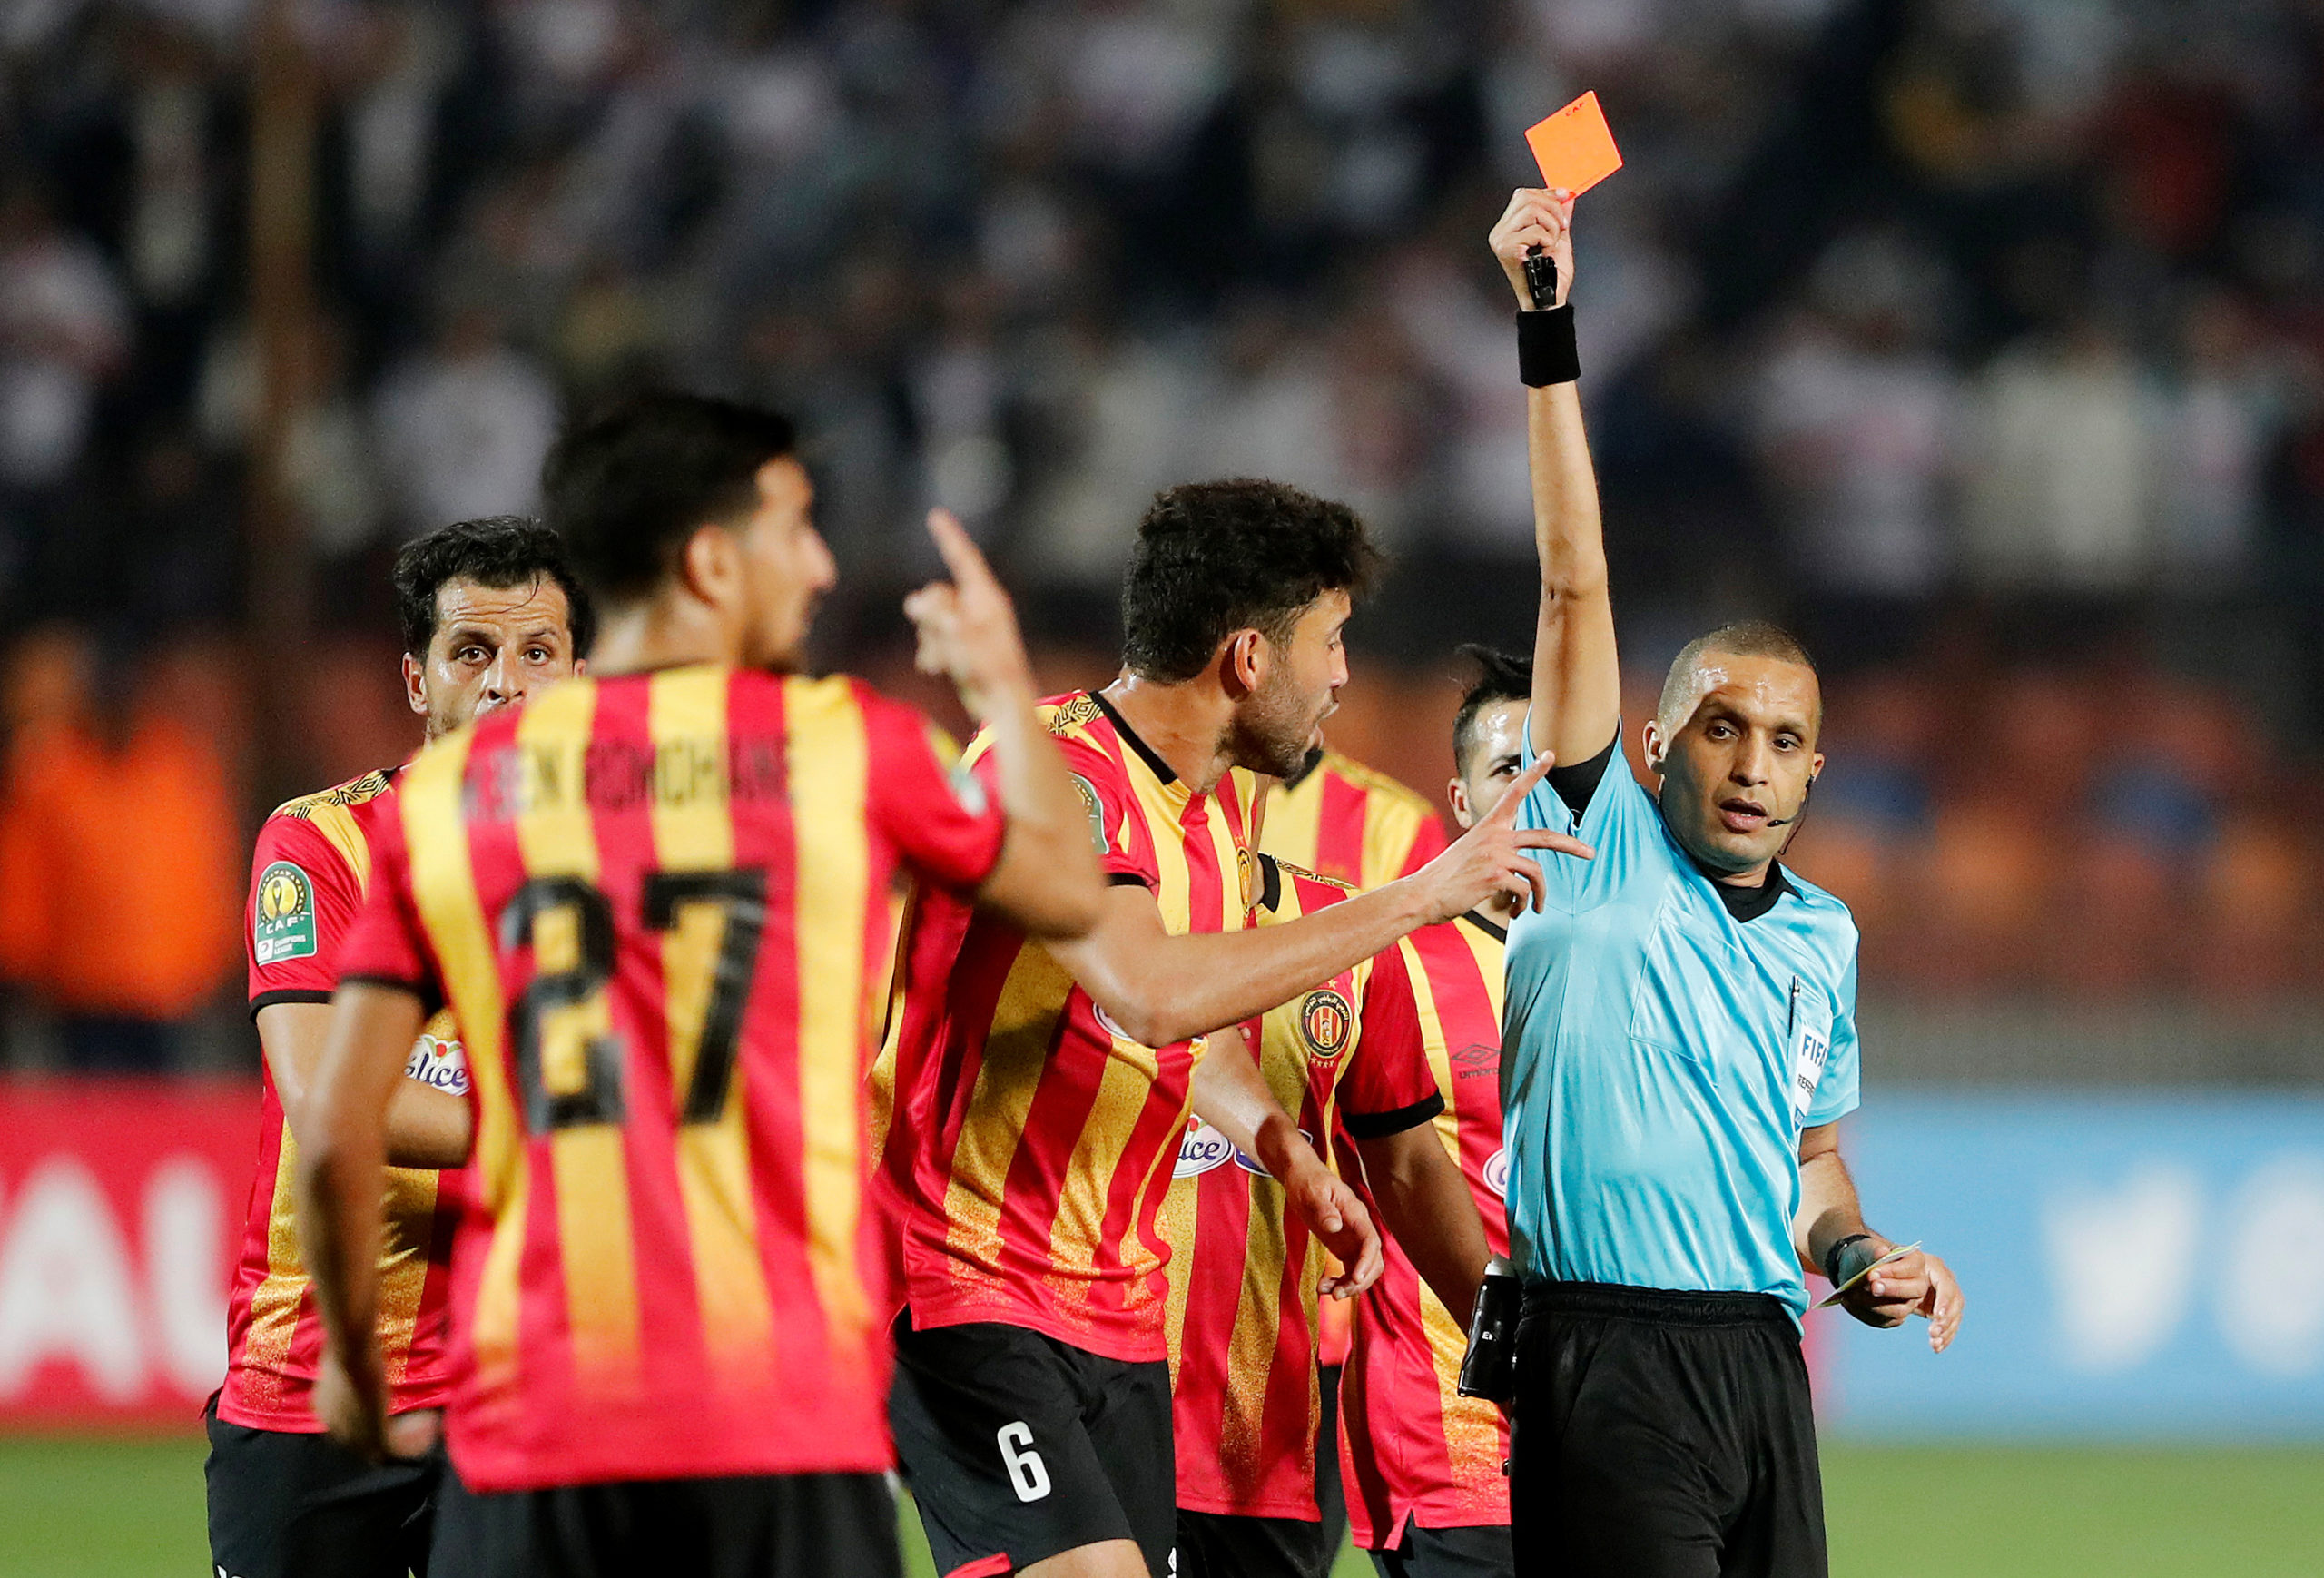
1577, 673
1047, 880
1162, 988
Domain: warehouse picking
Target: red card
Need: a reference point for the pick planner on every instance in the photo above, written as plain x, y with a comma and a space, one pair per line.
1574, 147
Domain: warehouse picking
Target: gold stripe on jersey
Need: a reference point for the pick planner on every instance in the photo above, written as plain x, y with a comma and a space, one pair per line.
444, 891
1077, 1232
336, 824
274, 1302
1016, 1049
557, 837
832, 892
687, 708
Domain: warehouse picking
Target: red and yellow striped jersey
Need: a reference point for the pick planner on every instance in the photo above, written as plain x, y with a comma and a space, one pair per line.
1348, 823
1244, 1399
1411, 1447
308, 878
1356, 825
655, 903
1028, 1137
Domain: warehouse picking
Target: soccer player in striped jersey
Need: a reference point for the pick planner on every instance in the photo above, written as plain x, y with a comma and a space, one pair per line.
1340, 819
1246, 1402
1038, 1091
490, 613
1425, 1494
653, 901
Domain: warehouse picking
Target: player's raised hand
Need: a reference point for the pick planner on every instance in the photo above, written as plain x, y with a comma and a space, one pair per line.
1490, 859
967, 626
1535, 218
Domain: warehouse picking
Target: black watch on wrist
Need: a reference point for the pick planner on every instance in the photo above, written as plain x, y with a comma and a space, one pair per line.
1832, 1257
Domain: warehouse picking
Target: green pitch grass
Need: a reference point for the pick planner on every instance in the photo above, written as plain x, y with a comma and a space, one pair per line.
77, 1508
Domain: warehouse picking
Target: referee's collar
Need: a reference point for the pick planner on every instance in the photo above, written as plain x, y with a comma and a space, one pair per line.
1748, 904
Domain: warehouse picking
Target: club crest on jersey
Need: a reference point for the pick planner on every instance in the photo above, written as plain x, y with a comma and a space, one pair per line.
284, 925
1325, 1019
1496, 1173
1093, 808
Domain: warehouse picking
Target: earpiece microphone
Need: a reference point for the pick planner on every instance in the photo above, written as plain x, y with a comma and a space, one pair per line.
1804, 796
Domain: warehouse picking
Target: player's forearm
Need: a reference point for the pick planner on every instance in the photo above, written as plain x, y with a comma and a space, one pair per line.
1577, 673
1163, 989
1425, 1205
1047, 879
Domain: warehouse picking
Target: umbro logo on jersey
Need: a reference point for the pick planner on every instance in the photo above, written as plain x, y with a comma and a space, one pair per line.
1475, 1058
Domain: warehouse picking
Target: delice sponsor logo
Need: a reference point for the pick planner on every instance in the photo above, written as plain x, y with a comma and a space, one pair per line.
1496, 1173
1204, 1147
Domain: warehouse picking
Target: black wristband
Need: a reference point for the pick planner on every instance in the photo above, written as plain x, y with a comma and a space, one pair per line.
1832, 1257
1545, 348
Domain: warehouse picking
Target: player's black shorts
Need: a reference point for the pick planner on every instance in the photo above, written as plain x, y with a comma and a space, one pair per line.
1663, 1436
1481, 1551
284, 1504
1218, 1545
1017, 1447
782, 1525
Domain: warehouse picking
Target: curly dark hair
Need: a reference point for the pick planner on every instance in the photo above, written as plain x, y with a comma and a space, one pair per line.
630, 484
1501, 677
496, 551
1215, 558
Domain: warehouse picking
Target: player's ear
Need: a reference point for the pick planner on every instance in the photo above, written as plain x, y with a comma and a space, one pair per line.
1244, 662
415, 684
706, 564
1456, 790
1657, 747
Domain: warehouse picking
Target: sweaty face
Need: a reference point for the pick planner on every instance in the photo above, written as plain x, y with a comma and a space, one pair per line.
1489, 761
1735, 768
786, 567
1283, 718
493, 647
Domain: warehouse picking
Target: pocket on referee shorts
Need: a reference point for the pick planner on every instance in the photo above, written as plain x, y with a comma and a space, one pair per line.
1678, 1006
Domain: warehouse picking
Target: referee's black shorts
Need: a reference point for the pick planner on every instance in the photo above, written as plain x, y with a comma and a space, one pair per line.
1663, 1434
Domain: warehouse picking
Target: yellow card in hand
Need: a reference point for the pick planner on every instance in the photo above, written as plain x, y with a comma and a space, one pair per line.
1843, 1290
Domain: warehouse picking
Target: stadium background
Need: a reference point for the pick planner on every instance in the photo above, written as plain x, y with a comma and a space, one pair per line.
1982, 339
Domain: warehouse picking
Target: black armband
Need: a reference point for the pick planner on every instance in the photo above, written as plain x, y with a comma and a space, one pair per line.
1545, 348
1832, 1257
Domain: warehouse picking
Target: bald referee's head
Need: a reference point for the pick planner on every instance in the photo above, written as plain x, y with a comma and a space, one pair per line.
1735, 738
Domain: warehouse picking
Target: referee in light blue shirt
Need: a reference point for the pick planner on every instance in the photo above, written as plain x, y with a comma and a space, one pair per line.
1678, 1044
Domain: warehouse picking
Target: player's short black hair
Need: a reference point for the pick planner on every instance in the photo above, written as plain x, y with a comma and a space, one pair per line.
1744, 638
1215, 558
496, 551
629, 485
1501, 677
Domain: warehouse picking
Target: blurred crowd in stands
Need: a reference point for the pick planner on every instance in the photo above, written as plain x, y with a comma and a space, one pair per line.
1983, 339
